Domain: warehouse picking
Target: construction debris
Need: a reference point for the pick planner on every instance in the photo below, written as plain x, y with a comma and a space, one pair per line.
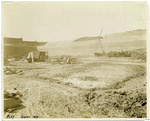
12, 59
20, 72
119, 54
134, 54
37, 56
139, 54
11, 70
11, 99
7, 72
64, 59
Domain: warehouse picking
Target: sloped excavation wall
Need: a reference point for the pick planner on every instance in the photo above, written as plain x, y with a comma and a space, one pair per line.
16, 50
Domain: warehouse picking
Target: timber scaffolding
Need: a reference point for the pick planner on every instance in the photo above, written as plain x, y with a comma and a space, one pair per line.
97, 54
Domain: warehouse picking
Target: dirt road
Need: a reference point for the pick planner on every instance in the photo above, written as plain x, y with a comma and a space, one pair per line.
116, 60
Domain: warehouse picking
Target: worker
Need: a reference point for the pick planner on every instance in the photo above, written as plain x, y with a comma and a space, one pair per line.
30, 57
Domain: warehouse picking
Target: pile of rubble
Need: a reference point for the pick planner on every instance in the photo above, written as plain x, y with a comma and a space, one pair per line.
11, 99
119, 54
8, 59
15, 57
64, 59
11, 70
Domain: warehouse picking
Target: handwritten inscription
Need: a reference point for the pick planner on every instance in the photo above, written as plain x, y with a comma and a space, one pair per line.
10, 116
28, 116
25, 116
35, 116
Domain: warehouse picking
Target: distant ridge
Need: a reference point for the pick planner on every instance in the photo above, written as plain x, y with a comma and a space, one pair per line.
86, 38
138, 31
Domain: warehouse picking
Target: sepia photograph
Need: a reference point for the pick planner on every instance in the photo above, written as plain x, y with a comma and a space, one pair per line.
74, 59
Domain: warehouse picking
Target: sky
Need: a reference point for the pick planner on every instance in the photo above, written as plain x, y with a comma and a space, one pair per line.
59, 21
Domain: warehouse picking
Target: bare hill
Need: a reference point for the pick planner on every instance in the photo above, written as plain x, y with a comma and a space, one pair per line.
130, 40
126, 35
